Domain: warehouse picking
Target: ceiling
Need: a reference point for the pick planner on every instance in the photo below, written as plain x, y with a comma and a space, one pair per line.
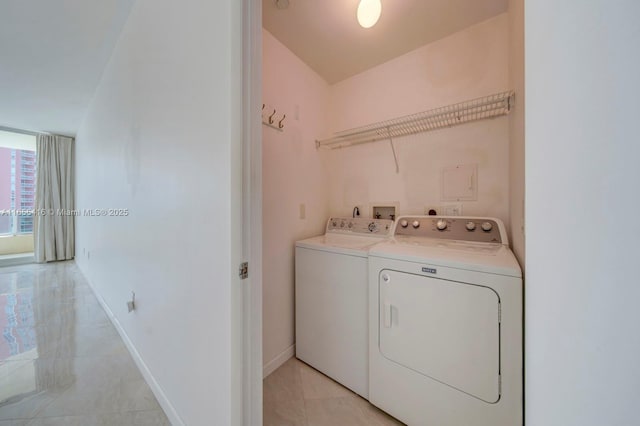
327, 37
52, 55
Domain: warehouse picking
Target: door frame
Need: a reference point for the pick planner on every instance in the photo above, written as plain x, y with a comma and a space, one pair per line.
252, 211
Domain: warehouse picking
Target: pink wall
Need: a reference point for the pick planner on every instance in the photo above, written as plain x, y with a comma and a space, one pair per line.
471, 63
292, 175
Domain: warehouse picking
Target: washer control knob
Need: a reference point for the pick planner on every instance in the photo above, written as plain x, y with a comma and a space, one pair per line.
471, 226
373, 227
350, 225
334, 223
441, 224
487, 226
415, 224
342, 224
404, 223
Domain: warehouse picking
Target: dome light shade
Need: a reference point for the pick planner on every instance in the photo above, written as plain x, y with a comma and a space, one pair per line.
369, 12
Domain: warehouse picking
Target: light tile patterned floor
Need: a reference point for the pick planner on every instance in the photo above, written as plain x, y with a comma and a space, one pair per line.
61, 360
297, 395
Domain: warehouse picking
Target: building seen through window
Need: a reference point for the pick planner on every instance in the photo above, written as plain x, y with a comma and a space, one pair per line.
17, 183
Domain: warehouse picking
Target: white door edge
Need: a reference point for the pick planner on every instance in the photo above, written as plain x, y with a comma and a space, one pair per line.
252, 212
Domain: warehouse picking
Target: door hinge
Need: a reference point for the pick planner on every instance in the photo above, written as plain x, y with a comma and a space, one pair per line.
244, 270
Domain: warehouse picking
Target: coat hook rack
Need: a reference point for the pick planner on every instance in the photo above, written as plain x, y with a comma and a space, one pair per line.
270, 119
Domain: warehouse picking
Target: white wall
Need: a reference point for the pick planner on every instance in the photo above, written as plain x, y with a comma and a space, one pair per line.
292, 175
161, 138
516, 128
468, 64
582, 317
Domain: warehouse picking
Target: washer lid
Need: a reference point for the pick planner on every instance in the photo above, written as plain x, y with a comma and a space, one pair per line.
481, 257
340, 243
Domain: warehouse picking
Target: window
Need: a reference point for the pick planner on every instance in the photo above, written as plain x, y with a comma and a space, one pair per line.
17, 182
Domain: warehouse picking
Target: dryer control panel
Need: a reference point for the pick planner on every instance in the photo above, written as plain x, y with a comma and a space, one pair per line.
477, 229
360, 225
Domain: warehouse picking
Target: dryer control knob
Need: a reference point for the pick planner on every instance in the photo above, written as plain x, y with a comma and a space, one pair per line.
471, 226
487, 226
373, 227
404, 223
416, 224
441, 224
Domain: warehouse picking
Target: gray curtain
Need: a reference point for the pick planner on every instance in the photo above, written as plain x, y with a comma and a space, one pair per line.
53, 231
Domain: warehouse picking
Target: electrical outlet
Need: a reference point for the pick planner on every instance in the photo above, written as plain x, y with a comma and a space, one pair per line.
131, 304
431, 211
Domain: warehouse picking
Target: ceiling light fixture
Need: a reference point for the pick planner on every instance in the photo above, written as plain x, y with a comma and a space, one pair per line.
369, 12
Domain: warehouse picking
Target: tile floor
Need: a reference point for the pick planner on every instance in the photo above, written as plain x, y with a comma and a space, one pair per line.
296, 394
61, 360
63, 363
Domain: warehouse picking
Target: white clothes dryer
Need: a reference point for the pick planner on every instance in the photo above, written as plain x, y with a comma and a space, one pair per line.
445, 321
331, 294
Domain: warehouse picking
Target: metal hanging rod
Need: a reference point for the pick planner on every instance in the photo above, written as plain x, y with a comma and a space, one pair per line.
464, 112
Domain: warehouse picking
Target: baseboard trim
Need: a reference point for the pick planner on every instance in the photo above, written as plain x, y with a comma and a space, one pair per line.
280, 359
164, 402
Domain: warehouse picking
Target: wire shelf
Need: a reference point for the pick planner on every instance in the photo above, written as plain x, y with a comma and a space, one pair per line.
452, 115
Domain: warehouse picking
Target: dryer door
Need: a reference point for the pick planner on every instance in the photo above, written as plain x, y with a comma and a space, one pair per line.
445, 330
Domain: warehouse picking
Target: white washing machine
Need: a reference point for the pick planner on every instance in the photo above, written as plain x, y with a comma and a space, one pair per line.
445, 321
332, 299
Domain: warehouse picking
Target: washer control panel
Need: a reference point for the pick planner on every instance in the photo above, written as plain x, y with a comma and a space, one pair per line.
360, 225
483, 230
